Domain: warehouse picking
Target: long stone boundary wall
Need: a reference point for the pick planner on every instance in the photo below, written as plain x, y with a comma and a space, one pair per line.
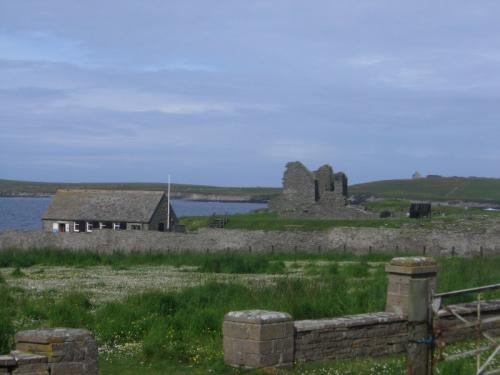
422, 241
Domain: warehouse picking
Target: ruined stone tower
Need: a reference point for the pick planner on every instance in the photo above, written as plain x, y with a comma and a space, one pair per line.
322, 194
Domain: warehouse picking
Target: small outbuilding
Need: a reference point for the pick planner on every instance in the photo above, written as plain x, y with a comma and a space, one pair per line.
420, 210
91, 210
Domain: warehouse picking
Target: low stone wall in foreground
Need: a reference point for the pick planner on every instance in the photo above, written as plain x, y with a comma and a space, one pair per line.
54, 351
259, 338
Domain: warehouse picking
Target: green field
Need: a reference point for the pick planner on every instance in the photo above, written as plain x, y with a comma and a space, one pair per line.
446, 217
162, 313
435, 188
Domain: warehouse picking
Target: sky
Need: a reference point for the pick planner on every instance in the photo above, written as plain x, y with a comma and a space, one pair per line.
227, 92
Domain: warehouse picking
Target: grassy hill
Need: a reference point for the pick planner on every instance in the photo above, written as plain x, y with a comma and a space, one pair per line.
431, 188
19, 188
434, 188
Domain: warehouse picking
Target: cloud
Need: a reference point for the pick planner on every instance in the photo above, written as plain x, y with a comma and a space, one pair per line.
42, 46
364, 60
136, 101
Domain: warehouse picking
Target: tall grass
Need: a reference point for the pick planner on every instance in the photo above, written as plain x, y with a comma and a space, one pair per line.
6, 318
228, 262
185, 326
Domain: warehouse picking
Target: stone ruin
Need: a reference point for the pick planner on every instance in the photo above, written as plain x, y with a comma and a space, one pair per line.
319, 194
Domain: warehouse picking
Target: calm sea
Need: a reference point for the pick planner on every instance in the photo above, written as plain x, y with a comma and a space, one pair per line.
25, 213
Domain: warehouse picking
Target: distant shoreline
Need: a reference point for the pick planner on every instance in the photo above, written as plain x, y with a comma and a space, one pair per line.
184, 197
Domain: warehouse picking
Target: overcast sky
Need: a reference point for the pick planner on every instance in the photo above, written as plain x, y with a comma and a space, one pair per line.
226, 92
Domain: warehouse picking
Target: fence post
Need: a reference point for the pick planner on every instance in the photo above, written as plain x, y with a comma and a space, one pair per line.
419, 337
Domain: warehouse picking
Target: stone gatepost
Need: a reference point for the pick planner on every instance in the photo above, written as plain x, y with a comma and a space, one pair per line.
67, 351
258, 338
401, 271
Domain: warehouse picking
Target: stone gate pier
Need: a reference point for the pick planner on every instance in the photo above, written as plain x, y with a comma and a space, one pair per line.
54, 351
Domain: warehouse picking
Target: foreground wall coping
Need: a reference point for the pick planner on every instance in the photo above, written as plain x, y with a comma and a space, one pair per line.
258, 316
348, 321
412, 265
51, 335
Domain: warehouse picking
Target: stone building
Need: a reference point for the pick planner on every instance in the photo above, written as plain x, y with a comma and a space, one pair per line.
321, 194
91, 210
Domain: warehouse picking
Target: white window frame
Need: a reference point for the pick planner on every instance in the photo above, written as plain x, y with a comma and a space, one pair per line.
55, 227
116, 226
89, 227
67, 227
101, 225
76, 227
136, 224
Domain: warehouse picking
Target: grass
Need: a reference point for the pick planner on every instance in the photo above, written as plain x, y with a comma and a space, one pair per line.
264, 220
438, 188
233, 262
449, 217
157, 331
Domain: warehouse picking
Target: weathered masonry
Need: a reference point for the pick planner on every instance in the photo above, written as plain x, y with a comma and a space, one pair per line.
321, 194
54, 351
93, 210
259, 338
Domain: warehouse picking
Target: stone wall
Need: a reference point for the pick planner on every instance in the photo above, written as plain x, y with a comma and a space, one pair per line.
361, 240
55, 351
350, 336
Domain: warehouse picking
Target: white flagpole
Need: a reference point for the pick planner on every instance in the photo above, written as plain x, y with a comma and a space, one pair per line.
168, 201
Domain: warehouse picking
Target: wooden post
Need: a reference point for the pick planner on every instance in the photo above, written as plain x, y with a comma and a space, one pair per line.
419, 335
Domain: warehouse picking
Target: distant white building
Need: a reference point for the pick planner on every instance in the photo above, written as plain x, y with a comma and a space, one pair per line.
416, 175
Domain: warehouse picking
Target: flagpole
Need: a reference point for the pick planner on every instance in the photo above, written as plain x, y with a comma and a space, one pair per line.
168, 204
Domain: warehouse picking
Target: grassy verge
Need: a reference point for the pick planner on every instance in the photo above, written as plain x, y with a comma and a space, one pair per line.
233, 262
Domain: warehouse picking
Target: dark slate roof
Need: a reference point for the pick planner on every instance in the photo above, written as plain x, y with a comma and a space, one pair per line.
104, 205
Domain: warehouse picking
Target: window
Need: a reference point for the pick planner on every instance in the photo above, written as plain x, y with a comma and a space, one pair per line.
161, 227
89, 227
135, 226
76, 226
120, 226
105, 225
